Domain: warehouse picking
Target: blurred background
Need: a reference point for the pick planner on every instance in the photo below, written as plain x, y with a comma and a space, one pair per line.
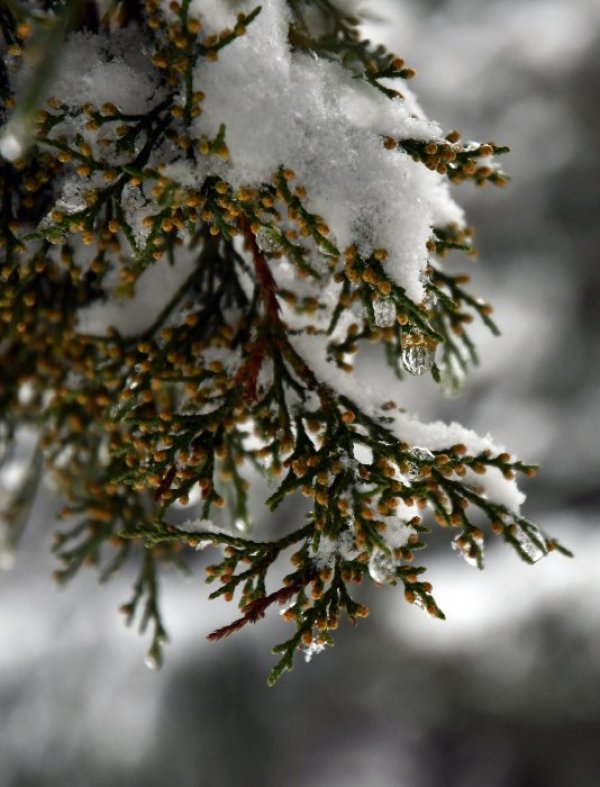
506, 692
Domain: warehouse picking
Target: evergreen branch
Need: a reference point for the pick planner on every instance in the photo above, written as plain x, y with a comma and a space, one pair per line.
255, 610
221, 376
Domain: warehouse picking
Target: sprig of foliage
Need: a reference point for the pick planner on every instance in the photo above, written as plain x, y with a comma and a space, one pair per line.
217, 386
324, 29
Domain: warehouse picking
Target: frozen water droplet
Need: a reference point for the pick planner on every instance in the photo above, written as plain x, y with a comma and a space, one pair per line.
11, 146
382, 567
533, 551
384, 310
430, 298
242, 525
417, 355
268, 240
466, 549
151, 661
417, 359
315, 647
421, 455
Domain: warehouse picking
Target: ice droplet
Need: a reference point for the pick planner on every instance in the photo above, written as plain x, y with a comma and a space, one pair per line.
467, 551
384, 310
529, 547
242, 525
420, 455
430, 298
315, 647
417, 355
268, 240
151, 661
382, 567
417, 359
11, 147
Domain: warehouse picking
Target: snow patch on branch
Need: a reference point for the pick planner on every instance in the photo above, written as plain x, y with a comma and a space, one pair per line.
290, 109
435, 436
154, 288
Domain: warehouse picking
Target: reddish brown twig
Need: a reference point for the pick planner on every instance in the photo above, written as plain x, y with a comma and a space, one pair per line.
250, 369
266, 282
255, 610
268, 295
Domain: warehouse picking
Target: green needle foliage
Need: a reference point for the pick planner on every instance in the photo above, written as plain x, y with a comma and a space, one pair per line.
131, 425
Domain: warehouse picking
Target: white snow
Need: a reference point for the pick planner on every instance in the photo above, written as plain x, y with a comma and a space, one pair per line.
311, 116
153, 291
100, 68
436, 436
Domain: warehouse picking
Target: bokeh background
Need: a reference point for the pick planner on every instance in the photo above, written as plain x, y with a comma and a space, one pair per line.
506, 693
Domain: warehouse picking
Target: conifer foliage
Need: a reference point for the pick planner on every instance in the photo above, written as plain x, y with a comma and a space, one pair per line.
207, 209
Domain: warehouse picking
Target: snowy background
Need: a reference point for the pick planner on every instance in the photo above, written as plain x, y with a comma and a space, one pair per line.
506, 693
